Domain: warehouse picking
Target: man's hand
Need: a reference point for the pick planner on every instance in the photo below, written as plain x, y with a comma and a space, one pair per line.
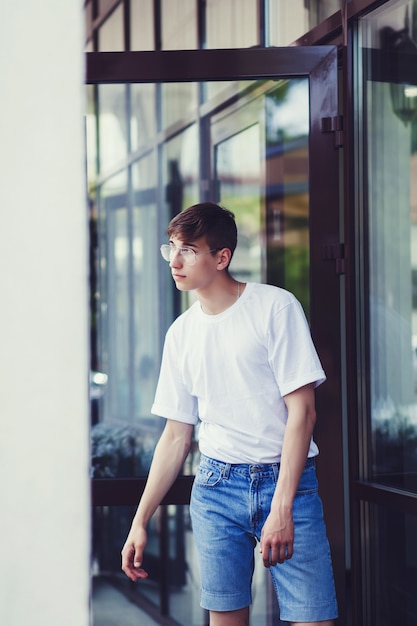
132, 554
277, 539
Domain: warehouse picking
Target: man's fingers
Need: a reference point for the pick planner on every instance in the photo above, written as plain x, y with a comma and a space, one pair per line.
133, 570
137, 558
132, 562
266, 551
271, 555
132, 554
290, 551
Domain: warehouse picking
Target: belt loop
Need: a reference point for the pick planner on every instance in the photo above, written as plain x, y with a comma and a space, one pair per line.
226, 470
275, 467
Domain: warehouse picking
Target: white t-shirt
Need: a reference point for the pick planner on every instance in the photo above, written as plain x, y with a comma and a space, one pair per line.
232, 370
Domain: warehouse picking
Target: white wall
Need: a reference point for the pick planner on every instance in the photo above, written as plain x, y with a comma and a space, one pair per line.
44, 498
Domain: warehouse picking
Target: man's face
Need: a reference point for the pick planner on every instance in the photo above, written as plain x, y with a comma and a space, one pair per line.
192, 265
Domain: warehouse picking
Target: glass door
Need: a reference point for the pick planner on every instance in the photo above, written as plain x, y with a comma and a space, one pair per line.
239, 182
261, 172
385, 486
243, 127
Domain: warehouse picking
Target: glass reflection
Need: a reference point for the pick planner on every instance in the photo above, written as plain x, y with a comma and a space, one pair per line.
179, 24
143, 120
393, 568
91, 135
112, 125
181, 171
179, 101
113, 202
288, 20
392, 306
141, 24
232, 24
319, 10
238, 168
172, 567
146, 308
287, 175
181, 162
111, 33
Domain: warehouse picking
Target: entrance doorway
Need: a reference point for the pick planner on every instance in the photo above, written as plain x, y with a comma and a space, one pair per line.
245, 128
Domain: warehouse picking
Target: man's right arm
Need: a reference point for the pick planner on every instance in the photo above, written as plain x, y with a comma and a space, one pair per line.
170, 454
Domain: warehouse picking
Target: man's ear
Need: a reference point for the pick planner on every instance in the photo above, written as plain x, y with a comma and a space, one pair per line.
224, 258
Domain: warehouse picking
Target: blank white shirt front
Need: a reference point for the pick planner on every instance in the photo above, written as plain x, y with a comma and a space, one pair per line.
232, 370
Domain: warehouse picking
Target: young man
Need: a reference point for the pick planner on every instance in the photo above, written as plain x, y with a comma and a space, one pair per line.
241, 361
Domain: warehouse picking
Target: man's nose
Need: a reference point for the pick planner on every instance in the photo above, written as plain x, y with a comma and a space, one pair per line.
176, 259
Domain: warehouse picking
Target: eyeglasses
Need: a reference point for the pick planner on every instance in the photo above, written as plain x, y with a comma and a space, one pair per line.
188, 255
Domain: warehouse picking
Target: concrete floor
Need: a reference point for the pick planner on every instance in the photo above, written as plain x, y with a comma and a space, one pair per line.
111, 608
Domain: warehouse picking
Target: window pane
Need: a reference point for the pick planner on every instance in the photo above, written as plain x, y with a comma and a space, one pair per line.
179, 25
114, 202
91, 134
392, 574
142, 115
104, 5
232, 24
88, 16
112, 125
320, 10
262, 175
146, 318
178, 101
141, 25
181, 171
287, 176
111, 33
129, 343
181, 188
175, 570
391, 150
238, 170
288, 20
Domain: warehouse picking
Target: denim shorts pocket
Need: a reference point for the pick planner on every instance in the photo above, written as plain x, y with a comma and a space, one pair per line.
208, 475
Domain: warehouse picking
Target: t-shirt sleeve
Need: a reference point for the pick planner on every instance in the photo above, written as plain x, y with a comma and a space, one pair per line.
292, 354
172, 400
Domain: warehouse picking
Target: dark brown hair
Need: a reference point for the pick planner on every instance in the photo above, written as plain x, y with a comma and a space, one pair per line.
208, 220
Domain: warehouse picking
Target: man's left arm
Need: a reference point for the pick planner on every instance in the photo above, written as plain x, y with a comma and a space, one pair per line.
277, 539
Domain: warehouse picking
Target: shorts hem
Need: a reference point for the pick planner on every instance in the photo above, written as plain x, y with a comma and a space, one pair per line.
308, 614
215, 602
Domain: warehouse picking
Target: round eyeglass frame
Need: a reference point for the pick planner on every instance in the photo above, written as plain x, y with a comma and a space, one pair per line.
188, 255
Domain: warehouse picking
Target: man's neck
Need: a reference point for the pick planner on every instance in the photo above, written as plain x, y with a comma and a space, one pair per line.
220, 296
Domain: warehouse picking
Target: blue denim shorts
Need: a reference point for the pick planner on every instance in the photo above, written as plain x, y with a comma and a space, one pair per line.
229, 506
